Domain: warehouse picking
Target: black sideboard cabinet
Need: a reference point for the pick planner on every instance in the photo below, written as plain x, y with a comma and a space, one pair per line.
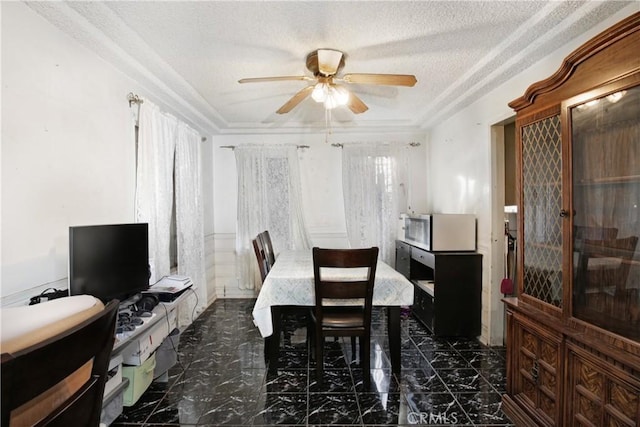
448, 288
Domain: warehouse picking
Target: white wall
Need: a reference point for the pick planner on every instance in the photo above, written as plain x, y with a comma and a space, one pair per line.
67, 147
460, 155
321, 180
68, 153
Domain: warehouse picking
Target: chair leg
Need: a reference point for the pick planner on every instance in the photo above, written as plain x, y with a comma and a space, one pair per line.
365, 345
319, 356
353, 347
311, 342
267, 341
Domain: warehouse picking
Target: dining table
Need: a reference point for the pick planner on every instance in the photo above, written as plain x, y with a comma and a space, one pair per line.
290, 282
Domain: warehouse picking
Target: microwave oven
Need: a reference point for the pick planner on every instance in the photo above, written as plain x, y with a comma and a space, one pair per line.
441, 232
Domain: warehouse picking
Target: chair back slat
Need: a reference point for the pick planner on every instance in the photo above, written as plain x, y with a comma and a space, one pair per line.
30, 372
343, 290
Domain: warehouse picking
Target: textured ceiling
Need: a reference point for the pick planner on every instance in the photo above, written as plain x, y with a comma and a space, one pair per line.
195, 52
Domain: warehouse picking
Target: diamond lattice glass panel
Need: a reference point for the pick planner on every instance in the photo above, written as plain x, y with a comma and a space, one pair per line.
542, 201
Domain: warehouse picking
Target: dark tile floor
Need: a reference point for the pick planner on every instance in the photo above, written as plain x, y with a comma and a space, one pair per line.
221, 380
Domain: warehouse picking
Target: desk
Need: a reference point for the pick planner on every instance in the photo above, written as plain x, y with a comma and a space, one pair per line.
291, 282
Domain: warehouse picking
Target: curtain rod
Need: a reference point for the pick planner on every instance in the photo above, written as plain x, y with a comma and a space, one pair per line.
134, 99
411, 144
233, 147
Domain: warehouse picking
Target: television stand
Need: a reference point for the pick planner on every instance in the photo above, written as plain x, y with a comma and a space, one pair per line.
447, 289
134, 348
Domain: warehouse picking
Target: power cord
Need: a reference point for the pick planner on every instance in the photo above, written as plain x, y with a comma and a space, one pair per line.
195, 306
175, 350
166, 312
48, 296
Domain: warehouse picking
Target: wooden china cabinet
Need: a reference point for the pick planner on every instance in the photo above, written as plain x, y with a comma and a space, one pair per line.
573, 333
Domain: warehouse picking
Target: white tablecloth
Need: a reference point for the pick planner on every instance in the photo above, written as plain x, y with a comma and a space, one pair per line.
290, 282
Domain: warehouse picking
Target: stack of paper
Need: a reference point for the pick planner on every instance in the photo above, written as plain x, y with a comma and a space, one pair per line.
171, 284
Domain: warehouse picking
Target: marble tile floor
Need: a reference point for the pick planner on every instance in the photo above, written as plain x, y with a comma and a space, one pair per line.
220, 379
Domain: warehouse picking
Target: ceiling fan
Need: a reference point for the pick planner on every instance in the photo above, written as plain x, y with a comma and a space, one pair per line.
325, 65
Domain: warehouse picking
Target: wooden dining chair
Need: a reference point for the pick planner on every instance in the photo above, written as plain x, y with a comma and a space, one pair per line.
297, 314
258, 250
343, 301
605, 286
60, 381
267, 245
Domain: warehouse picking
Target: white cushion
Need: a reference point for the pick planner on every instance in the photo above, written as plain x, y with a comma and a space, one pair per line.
47, 318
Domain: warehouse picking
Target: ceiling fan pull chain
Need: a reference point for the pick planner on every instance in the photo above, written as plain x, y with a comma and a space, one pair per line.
327, 124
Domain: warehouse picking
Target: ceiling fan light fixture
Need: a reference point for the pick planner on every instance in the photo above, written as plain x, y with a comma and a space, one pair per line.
320, 92
329, 61
341, 95
330, 103
330, 95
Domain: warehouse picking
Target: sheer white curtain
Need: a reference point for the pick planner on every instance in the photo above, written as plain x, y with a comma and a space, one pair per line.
373, 186
154, 182
168, 158
189, 212
269, 198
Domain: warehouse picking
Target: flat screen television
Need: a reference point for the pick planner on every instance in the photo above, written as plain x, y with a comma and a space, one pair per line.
109, 261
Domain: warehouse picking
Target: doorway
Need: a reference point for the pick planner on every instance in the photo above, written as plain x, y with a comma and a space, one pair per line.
504, 222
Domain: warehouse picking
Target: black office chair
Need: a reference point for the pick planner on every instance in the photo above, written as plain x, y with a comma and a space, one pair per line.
352, 317
60, 381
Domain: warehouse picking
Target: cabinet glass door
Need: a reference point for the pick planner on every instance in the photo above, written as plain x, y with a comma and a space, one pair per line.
606, 211
542, 198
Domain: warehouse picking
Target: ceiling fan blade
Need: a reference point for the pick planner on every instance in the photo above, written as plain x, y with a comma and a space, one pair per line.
273, 79
381, 79
355, 104
295, 100
329, 61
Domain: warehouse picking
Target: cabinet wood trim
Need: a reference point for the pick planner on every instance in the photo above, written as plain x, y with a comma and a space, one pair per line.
614, 347
536, 367
602, 41
544, 307
536, 116
515, 414
605, 373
